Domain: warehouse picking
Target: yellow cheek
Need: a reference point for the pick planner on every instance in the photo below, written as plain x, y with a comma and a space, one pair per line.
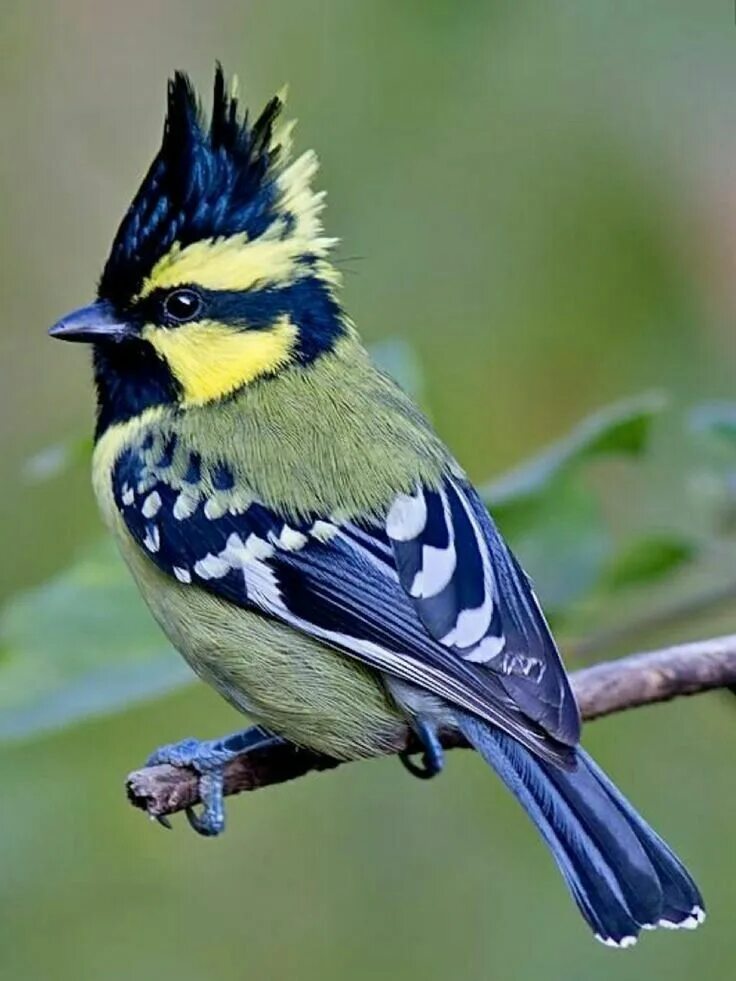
211, 360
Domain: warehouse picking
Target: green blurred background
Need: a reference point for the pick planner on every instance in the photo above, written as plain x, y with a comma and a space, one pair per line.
540, 199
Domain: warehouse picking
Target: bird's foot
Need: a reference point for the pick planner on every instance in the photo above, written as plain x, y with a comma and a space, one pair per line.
433, 757
209, 757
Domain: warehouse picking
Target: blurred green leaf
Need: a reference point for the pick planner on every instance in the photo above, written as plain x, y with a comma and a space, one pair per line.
715, 418
555, 524
82, 644
54, 460
649, 559
622, 428
563, 543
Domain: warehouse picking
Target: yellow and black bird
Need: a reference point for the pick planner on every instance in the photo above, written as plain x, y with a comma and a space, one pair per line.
298, 530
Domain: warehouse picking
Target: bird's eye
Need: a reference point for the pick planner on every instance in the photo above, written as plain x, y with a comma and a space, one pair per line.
182, 305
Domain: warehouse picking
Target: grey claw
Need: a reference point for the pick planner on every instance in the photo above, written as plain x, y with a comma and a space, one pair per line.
163, 821
203, 823
211, 821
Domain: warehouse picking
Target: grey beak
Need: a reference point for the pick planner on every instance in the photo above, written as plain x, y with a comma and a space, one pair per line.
92, 324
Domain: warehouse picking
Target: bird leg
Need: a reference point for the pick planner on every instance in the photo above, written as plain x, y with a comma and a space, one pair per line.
433, 757
209, 757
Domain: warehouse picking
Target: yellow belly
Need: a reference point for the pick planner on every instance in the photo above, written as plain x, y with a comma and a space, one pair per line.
311, 694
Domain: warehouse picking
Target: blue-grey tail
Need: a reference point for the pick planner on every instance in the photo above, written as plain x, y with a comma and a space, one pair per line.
623, 877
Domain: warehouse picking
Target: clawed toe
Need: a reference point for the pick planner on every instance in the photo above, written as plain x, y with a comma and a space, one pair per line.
433, 757
209, 758
183, 753
210, 821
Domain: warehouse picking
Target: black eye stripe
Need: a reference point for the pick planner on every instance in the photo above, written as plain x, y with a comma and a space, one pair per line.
256, 308
308, 303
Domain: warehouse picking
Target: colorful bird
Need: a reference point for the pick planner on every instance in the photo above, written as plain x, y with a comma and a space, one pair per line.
299, 531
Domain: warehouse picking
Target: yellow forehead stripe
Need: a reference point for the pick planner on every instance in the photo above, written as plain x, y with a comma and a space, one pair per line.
224, 264
211, 360
235, 263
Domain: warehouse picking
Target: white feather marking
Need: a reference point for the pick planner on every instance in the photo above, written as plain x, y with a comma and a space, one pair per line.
185, 505
235, 553
183, 575
438, 566
215, 507
152, 541
128, 495
323, 531
610, 942
291, 539
261, 585
697, 915
258, 548
488, 648
211, 567
472, 624
238, 554
151, 505
407, 518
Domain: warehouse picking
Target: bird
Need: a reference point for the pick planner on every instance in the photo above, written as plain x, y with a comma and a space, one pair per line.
299, 531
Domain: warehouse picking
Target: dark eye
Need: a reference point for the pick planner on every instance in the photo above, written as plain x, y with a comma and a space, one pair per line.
182, 305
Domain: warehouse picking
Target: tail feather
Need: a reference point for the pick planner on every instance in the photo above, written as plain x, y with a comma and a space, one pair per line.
623, 877
683, 904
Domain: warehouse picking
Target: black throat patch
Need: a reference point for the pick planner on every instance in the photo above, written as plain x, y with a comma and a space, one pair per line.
130, 378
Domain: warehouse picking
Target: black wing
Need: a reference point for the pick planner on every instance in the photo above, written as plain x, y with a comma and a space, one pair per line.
342, 583
474, 598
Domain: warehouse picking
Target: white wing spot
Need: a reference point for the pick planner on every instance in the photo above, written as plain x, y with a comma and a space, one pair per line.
697, 915
470, 625
235, 553
215, 507
261, 584
610, 942
185, 505
291, 539
183, 575
408, 517
488, 648
258, 548
128, 495
211, 567
438, 566
152, 541
323, 531
151, 505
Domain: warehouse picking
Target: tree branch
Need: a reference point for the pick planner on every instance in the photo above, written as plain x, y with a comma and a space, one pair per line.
611, 686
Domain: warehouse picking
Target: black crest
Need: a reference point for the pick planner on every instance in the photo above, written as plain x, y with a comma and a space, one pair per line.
206, 181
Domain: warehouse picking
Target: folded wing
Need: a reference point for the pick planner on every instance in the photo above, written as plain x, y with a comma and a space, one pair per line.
437, 602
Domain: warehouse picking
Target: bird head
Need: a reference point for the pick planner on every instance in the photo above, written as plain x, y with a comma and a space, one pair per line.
219, 273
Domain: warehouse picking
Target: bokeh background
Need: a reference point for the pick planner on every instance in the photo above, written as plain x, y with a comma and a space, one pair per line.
539, 199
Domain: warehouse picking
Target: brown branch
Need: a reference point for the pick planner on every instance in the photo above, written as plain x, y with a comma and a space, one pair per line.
612, 686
